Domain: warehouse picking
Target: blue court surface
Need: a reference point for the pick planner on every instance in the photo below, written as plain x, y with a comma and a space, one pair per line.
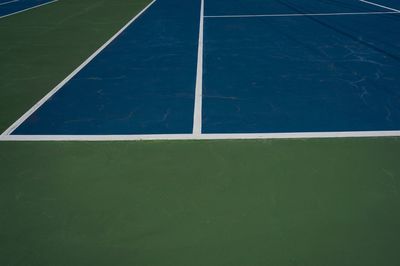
235, 67
11, 7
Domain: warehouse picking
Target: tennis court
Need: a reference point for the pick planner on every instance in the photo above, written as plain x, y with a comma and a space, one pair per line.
232, 70
199, 132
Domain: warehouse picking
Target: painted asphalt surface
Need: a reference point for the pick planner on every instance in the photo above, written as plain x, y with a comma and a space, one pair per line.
260, 75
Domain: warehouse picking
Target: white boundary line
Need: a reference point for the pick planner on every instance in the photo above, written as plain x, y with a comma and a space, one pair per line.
197, 117
296, 135
302, 15
68, 78
382, 6
30, 8
9, 2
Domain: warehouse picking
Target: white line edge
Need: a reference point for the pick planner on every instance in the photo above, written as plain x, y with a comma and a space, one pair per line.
17, 123
382, 6
9, 2
197, 116
295, 135
30, 8
302, 15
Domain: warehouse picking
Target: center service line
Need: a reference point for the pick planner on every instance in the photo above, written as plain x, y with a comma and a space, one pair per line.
199, 78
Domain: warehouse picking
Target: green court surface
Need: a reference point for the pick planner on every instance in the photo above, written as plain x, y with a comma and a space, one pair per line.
254, 202
314, 202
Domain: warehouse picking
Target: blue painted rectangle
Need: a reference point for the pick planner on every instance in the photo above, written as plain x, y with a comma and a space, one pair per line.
142, 83
252, 7
301, 74
7, 7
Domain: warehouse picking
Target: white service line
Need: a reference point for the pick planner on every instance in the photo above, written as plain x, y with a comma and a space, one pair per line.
70, 76
28, 9
303, 15
382, 6
197, 117
295, 135
9, 2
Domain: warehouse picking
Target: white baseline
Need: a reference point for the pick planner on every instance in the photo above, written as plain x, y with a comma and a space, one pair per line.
294, 135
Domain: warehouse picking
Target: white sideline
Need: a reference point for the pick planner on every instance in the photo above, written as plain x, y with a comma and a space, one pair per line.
303, 15
17, 123
197, 117
30, 8
382, 6
295, 135
9, 2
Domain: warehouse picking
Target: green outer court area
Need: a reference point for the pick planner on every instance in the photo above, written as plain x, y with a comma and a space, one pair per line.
271, 202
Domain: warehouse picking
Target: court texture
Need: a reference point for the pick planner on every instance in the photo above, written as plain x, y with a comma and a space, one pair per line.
199, 132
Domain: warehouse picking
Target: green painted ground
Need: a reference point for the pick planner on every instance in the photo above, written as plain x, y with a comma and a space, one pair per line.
287, 202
